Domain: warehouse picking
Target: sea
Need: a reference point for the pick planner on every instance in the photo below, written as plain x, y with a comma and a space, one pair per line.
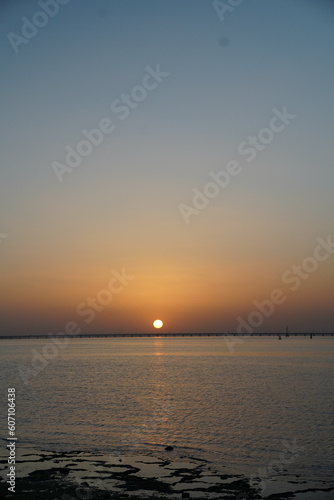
258, 407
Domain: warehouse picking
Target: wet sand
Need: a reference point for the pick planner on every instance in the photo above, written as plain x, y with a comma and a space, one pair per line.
79, 475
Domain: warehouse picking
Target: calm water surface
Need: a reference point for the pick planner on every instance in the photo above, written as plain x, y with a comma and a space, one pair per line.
240, 410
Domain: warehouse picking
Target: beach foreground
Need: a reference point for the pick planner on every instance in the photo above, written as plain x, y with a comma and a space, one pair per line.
80, 475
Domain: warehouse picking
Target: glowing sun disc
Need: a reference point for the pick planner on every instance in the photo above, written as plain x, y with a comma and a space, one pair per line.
157, 323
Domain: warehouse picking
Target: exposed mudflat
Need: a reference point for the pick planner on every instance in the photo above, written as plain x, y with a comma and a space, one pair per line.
79, 475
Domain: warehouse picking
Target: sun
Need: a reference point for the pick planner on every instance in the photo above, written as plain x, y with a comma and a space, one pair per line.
157, 323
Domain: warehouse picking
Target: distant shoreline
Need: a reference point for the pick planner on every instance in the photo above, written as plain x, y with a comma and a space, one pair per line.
153, 335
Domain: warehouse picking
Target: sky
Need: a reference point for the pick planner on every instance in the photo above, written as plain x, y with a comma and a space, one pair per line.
166, 159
